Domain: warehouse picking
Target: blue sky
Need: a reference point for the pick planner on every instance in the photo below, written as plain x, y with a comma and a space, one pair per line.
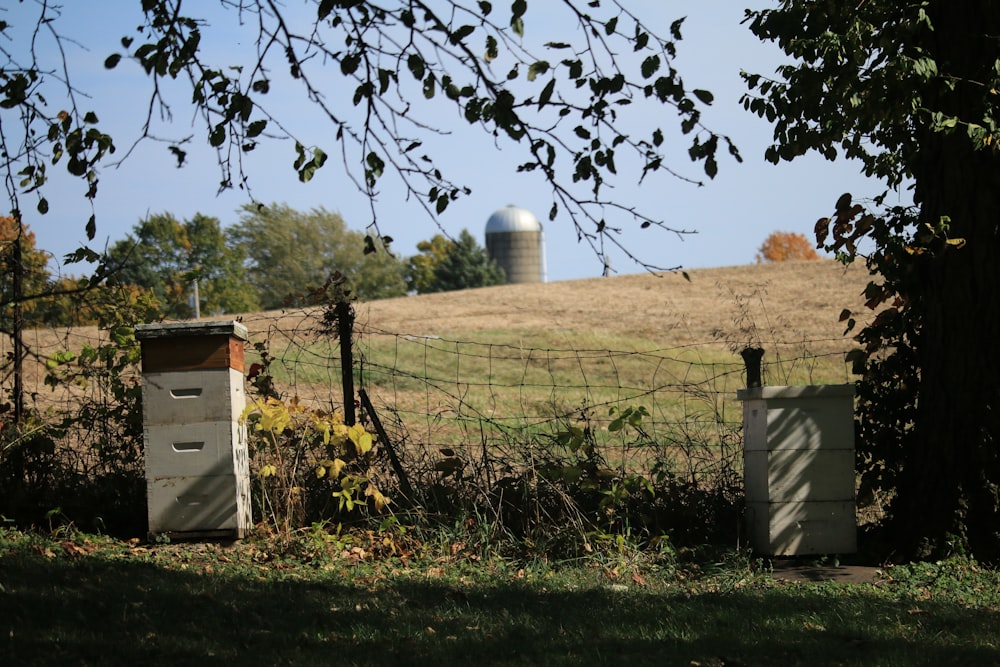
732, 214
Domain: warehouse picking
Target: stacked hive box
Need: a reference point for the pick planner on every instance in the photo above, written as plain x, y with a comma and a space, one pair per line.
798, 463
197, 465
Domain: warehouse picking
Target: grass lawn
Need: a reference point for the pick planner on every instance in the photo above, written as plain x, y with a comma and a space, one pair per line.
76, 599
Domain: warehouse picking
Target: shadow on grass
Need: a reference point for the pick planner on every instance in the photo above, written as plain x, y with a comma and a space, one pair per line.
98, 611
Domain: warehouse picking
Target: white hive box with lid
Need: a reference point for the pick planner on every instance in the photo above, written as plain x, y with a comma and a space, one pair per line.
798, 463
197, 463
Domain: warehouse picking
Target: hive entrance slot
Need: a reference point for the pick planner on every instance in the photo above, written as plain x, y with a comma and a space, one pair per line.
188, 446
194, 392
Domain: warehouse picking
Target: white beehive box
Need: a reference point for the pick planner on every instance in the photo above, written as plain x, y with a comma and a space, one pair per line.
197, 470
191, 397
799, 469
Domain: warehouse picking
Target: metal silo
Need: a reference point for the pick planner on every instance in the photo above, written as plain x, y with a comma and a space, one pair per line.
514, 240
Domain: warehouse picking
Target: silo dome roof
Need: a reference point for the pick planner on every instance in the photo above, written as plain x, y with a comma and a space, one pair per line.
512, 219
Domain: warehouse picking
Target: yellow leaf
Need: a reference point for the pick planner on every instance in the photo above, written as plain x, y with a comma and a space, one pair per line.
268, 471
361, 438
336, 466
380, 500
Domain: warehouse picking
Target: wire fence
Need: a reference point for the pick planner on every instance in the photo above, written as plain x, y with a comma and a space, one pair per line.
450, 402
453, 402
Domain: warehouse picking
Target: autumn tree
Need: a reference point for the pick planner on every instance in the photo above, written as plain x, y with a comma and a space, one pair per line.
166, 256
909, 90
18, 247
290, 252
785, 247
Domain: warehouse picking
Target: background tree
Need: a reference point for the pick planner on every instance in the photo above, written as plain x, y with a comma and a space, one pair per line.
465, 265
420, 267
165, 256
75, 302
288, 252
444, 265
785, 247
909, 89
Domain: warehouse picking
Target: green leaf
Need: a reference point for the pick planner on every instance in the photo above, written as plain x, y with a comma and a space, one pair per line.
675, 28
349, 64
218, 135
705, 96
112, 61
536, 68
546, 94
650, 65
459, 35
711, 167
416, 66
492, 51
255, 128
517, 25
325, 7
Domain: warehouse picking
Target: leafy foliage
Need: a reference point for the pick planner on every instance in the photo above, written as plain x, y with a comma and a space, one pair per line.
166, 256
453, 265
910, 91
785, 247
420, 267
83, 464
74, 302
310, 466
290, 252
404, 67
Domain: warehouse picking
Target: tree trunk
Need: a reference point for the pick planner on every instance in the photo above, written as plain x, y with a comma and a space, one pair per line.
948, 497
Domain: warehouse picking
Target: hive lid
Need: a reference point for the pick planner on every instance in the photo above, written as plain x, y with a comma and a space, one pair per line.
797, 391
173, 329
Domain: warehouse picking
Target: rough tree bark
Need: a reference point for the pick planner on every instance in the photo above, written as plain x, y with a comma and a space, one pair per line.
948, 488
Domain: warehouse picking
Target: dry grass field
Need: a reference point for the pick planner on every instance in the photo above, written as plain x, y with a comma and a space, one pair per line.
795, 300
518, 355
715, 311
